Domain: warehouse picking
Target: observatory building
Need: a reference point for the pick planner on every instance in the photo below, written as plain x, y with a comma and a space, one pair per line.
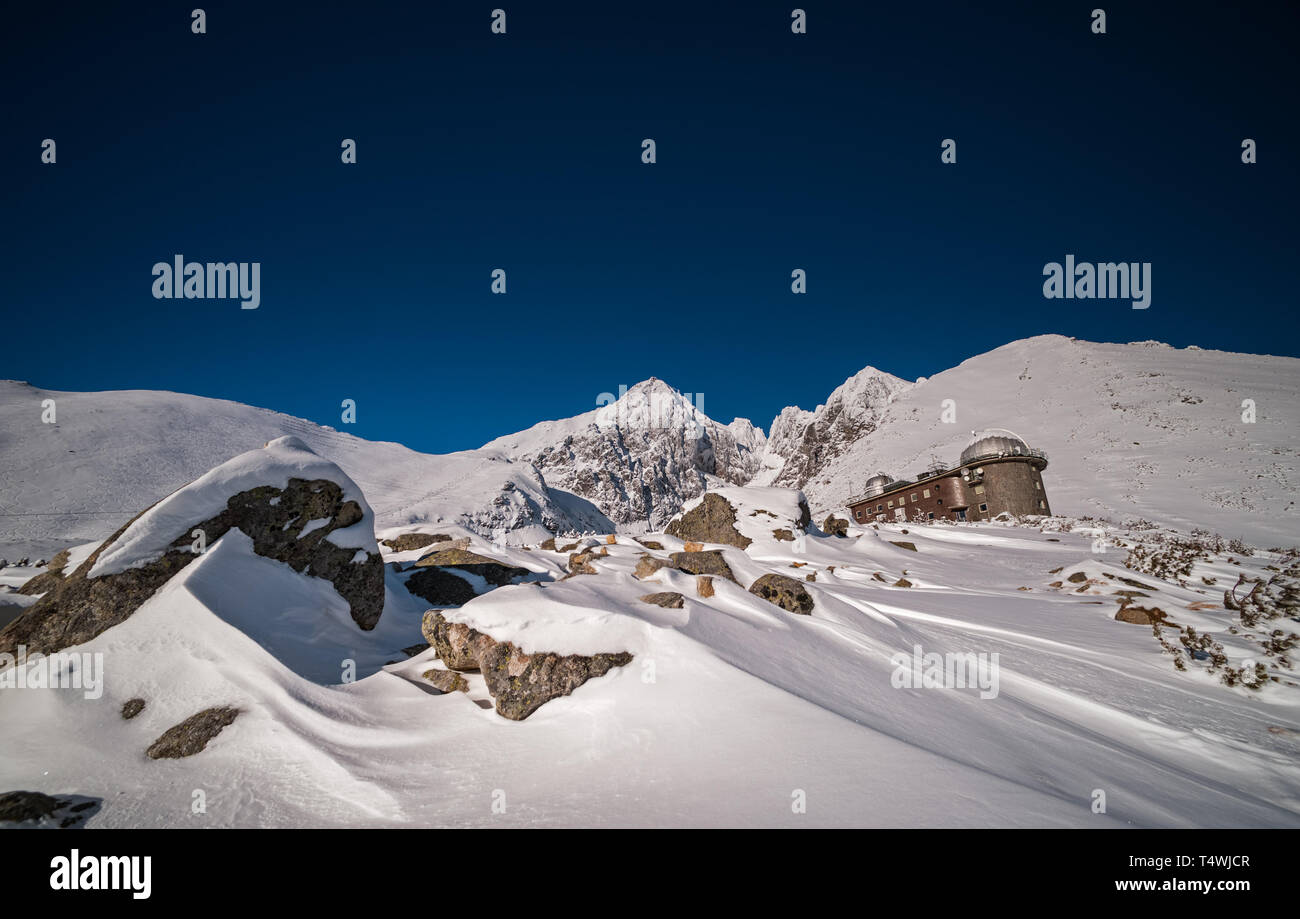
997, 473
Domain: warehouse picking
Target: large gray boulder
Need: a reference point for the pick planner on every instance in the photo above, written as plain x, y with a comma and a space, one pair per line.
785, 592
78, 607
712, 520
709, 561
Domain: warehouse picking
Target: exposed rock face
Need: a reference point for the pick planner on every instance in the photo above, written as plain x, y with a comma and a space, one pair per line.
131, 708
519, 683
641, 457
439, 587
79, 607
66, 811
909, 546
785, 592
522, 683
704, 585
46, 580
489, 569
192, 734
710, 562
783, 535
580, 563
1141, 615
802, 443
650, 543
408, 541
713, 520
648, 566
668, 599
447, 680
20, 806
451, 641
835, 526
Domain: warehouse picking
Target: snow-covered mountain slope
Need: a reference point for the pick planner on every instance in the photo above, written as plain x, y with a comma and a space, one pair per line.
109, 455
1132, 431
642, 456
802, 443
732, 712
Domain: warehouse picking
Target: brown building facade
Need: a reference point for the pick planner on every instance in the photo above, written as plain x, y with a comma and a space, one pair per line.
995, 474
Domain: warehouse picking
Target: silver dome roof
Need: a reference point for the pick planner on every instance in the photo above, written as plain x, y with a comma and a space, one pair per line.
876, 485
995, 445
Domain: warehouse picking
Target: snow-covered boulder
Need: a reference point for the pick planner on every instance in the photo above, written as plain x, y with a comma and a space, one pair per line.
741, 516
519, 682
295, 508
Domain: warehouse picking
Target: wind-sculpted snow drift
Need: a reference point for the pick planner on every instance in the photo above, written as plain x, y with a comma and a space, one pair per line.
710, 673
712, 710
295, 507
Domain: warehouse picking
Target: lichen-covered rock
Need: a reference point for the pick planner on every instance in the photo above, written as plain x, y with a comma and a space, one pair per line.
580, 563
408, 541
704, 585
648, 565
909, 546
668, 599
193, 734
785, 592
519, 683
78, 607
489, 569
651, 544
447, 680
783, 535
1141, 615
835, 526
548, 544
440, 587
132, 707
707, 562
453, 642
902, 582
1077, 578
522, 683
712, 520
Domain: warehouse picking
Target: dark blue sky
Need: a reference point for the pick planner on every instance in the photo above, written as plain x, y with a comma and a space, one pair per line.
522, 151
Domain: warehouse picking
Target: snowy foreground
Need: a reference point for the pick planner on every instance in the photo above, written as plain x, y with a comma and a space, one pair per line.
733, 711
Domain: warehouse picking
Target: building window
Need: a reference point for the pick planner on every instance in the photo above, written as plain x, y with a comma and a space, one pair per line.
925, 493
913, 497
979, 489
931, 517
1038, 484
880, 507
891, 502
984, 507
1042, 504
938, 501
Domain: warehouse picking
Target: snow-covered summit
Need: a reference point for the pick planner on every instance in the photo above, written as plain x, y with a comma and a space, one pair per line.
641, 454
